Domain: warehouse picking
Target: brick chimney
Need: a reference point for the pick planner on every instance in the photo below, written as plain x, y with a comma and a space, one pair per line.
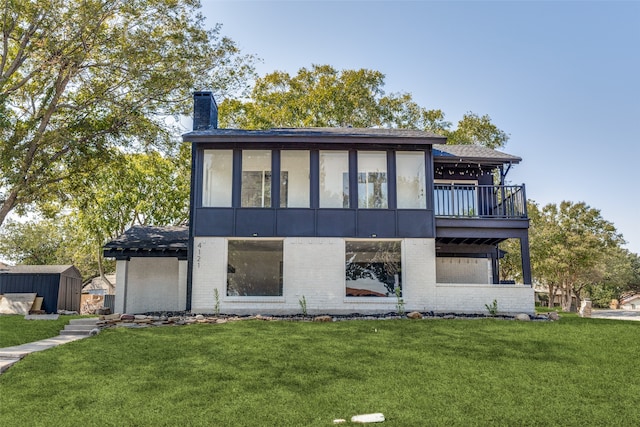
205, 111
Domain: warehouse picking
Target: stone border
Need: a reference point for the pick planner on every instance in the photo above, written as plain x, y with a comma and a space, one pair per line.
183, 318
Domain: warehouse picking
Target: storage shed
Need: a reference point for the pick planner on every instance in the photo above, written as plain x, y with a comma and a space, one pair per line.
59, 285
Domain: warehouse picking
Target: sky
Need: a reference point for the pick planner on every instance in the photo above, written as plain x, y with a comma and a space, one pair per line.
562, 78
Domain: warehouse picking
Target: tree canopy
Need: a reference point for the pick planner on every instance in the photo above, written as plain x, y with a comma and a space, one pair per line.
79, 78
575, 252
322, 96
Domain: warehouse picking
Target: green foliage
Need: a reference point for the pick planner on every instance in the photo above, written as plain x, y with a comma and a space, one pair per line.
492, 308
133, 189
325, 97
573, 249
303, 305
216, 305
399, 301
82, 80
55, 240
298, 373
477, 130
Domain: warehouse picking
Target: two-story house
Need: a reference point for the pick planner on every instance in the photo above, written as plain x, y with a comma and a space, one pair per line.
348, 220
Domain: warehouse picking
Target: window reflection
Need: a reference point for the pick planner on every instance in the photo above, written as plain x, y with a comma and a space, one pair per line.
373, 268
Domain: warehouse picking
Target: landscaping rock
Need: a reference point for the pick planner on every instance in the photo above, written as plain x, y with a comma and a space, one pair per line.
115, 316
323, 319
127, 317
368, 418
523, 317
414, 315
553, 315
199, 317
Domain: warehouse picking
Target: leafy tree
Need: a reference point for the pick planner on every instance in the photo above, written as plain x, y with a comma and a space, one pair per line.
477, 130
49, 241
325, 97
622, 277
78, 78
141, 188
571, 248
31, 242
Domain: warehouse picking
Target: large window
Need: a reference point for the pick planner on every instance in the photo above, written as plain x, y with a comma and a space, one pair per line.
410, 180
217, 179
334, 179
294, 179
372, 179
254, 268
373, 268
256, 179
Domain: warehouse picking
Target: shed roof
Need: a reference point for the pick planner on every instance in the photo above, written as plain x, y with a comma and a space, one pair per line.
40, 269
318, 135
143, 240
472, 154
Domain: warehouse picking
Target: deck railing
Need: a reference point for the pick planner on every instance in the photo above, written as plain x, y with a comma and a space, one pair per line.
480, 201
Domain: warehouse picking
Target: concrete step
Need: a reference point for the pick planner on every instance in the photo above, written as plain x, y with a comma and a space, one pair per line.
76, 332
79, 327
84, 321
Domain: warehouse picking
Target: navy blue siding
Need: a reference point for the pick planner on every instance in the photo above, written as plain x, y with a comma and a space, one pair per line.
45, 285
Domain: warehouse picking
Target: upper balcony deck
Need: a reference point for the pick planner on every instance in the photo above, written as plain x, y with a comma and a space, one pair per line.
480, 201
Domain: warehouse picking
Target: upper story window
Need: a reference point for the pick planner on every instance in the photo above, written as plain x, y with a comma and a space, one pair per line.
334, 179
372, 180
294, 179
217, 180
256, 179
410, 180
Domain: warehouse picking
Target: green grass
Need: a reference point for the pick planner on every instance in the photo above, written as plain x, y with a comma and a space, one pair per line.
15, 330
418, 373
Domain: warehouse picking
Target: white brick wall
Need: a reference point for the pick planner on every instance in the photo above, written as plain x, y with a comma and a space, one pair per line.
471, 298
209, 272
419, 274
313, 268
150, 284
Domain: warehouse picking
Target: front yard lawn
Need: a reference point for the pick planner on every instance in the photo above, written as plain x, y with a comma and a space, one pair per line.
15, 330
484, 372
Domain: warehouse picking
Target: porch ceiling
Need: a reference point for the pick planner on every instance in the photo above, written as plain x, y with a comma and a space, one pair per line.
469, 240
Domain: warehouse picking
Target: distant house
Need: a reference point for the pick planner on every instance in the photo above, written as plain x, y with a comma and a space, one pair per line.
350, 220
631, 302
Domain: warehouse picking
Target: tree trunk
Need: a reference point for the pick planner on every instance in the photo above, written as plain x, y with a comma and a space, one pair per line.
566, 297
552, 294
7, 205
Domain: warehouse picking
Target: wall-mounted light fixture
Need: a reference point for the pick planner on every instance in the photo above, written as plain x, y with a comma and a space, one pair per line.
374, 235
255, 234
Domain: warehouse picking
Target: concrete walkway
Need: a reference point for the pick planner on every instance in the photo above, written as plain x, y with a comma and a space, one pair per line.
616, 314
76, 330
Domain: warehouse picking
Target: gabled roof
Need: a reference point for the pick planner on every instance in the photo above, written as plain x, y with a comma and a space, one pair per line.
145, 241
630, 298
318, 135
472, 154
